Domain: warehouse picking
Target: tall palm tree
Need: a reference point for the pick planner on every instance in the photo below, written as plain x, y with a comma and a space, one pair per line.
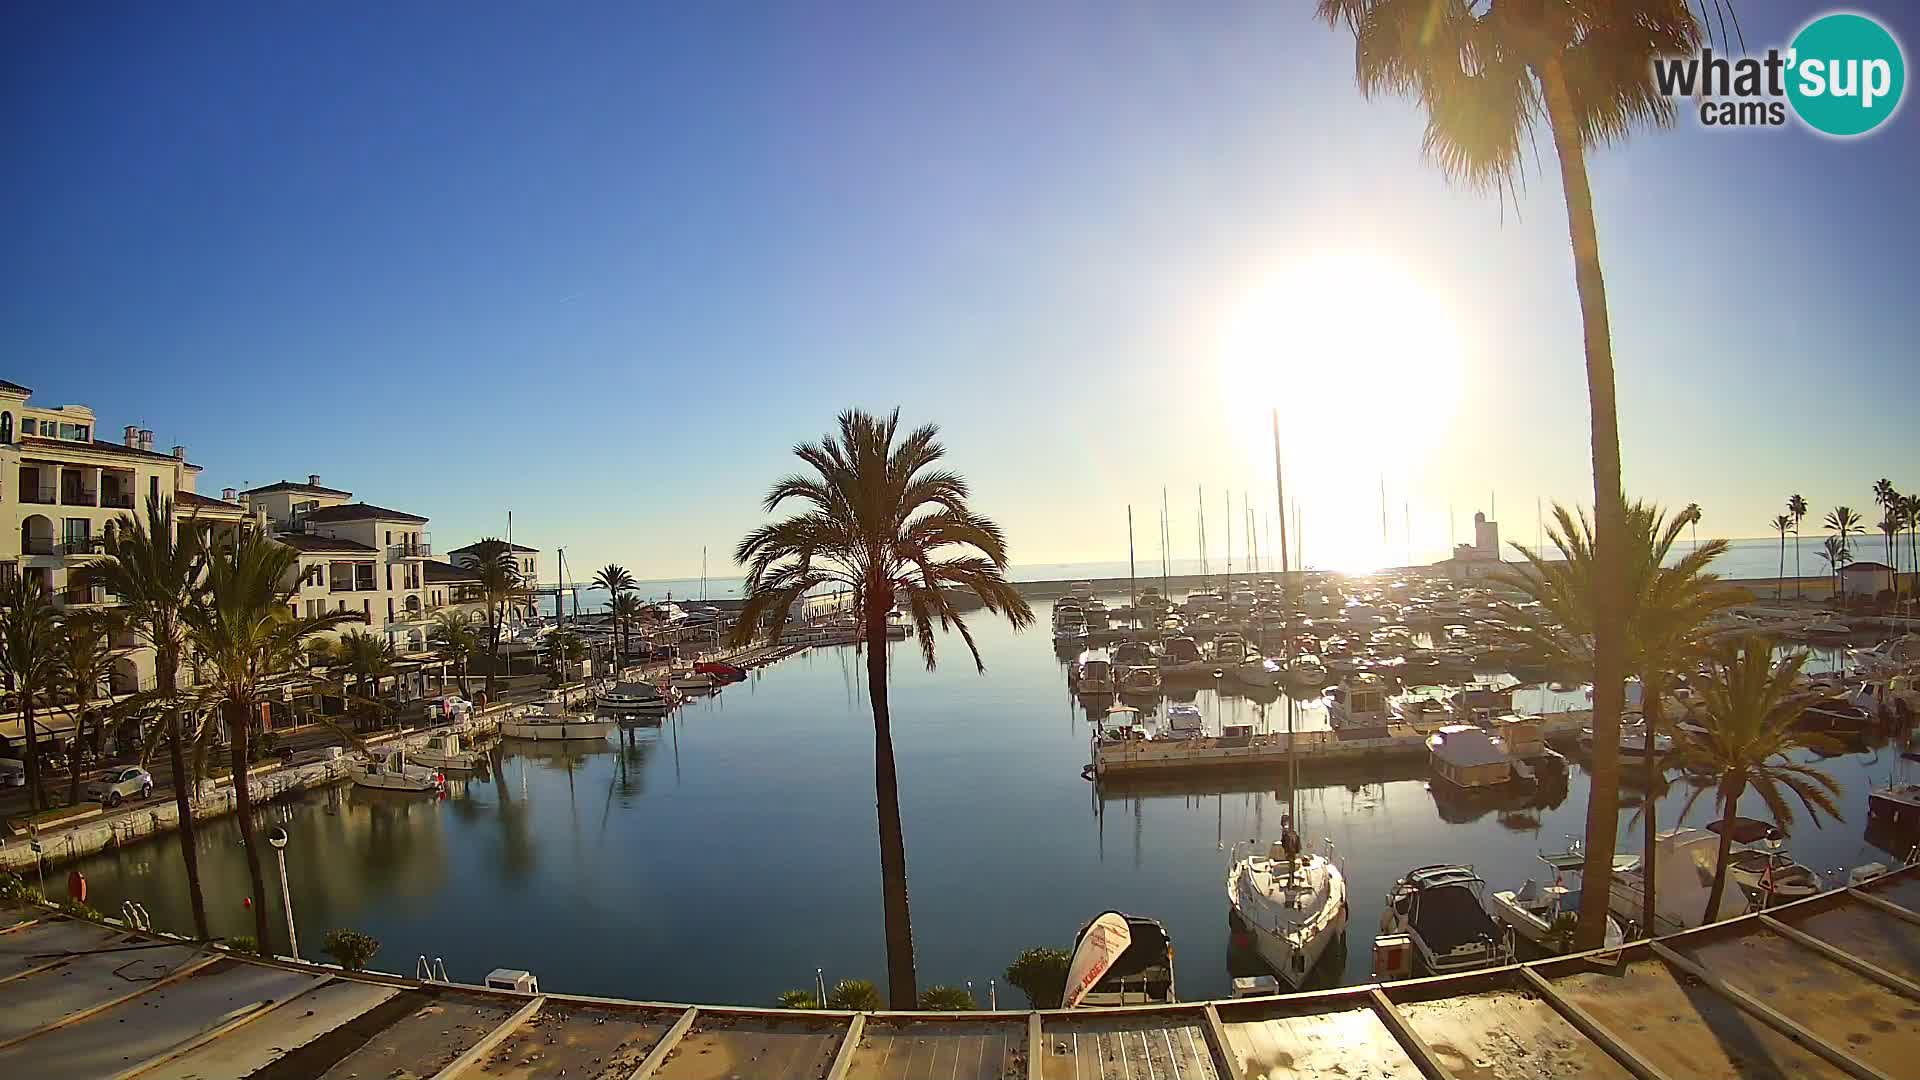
1797, 506
1890, 528
880, 519
368, 658
1780, 525
1665, 618
1835, 554
1843, 523
501, 587
83, 663
1489, 77
247, 635
1910, 510
613, 578
1751, 713
1692, 516
29, 636
627, 610
456, 638
153, 567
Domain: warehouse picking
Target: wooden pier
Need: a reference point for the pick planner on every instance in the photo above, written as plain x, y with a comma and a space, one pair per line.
1134, 757
1828, 987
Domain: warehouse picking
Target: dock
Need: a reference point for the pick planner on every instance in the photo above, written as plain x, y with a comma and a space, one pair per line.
1134, 757
1828, 987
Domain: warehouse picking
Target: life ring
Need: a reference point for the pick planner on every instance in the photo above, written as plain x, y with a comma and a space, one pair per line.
77, 887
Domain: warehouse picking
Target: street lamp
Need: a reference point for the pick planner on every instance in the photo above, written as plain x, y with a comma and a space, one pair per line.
278, 838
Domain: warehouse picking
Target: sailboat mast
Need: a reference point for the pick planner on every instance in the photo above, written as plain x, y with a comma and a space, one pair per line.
1163, 544
1133, 601
1202, 496
1286, 605
1229, 541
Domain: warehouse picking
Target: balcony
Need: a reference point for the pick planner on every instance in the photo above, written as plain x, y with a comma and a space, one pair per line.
421, 549
30, 493
82, 545
78, 597
38, 545
117, 500
75, 496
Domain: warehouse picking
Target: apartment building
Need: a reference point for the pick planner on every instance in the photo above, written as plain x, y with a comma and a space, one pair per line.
353, 556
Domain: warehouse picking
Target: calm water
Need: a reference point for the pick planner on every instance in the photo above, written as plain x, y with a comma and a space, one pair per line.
723, 857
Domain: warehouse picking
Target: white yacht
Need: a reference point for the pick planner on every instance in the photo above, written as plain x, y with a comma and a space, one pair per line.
544, 725
639, 696
1359, 701
1257, 670
685, 676
1184, 722
1093, 673
392, 773
1180, 657
1440, 908
1293, 906
1683, 878
446, 753
1538, 912
1229, 649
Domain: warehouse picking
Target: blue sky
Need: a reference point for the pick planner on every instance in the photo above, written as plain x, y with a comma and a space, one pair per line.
603, 265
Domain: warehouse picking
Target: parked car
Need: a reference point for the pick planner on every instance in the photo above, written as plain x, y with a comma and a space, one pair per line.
120, 784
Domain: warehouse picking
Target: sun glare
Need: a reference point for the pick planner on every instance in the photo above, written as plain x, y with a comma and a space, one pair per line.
1364, 364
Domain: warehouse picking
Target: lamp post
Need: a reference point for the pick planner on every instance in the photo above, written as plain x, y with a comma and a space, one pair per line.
278, 838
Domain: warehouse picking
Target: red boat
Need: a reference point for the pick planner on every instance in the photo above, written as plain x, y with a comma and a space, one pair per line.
726, 671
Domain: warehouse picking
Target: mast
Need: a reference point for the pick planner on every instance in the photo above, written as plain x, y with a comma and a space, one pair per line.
1163, 545
1286, 612
1229, 532
1383, 513
1406, 526
1133, 601
1202, 496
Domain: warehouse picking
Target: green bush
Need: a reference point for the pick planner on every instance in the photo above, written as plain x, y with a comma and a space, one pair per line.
947, 999
798, 999
351, 949
1041, 974
16, 888
857, 995
244, 943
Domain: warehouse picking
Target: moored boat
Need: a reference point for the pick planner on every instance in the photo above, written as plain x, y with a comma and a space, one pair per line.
638, 696
1541, 913
544, 726
1119, 959
1467, 757
1292, 903
392, 773
1440, 908
1092, 673
446, 753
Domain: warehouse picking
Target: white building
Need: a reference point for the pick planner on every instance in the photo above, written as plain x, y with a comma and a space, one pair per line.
1478, 560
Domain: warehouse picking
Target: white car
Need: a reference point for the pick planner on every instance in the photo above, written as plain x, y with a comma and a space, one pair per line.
119, 784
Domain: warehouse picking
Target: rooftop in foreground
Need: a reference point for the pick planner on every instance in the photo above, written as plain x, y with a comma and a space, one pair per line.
1827, 987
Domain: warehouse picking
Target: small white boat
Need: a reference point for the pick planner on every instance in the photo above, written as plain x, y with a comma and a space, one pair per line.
1294, 906
1180, 658
1533, 910
1257, 670
633, 697
1093, 673
684, 677
547, 726
446, 753
392, 773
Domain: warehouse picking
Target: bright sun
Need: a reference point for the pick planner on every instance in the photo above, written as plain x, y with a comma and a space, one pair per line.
1364, 364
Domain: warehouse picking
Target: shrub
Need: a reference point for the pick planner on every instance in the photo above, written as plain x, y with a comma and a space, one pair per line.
351, 949
798, 999
858, 995
947, 999
1041, 974
244, 943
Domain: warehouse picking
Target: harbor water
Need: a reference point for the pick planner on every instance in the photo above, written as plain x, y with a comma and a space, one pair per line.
725, 855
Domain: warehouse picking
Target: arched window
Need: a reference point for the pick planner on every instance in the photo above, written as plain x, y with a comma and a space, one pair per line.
6, 427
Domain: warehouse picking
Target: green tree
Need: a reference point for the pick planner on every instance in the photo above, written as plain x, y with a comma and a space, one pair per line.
1691, 515
883, 521
456, 638
366, 658
1836, 555
1041, 974
1843, 523
154, 568
614, 579
29, 638
501, 587
351, 949
248, 638
83, 664
1888, 500
1490, 76
1751, 713
1780, 525
565, 650
627, 610
947, 999
1796, 506
854, 995
797, 999
1664, 622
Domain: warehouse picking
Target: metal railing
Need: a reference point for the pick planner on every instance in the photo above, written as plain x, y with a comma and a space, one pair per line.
41, 494
420, 550
38, 545
117, 500
84, 545
78, 497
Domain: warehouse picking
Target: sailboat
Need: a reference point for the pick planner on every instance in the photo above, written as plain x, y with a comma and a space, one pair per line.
1292, 902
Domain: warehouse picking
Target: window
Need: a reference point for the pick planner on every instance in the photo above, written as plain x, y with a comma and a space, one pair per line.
366, 609
342, 605
74, 432
389, 609
27, 426
389, 572
153, 491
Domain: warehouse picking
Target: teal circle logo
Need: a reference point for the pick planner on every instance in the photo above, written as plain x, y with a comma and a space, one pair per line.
1845, 74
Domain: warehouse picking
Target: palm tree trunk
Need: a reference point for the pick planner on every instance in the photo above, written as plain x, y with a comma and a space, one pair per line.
901, 991
1650, 683
73, 756
1610, 526
1796, 561
1727, 813
1783, 566
33, 751
238, 734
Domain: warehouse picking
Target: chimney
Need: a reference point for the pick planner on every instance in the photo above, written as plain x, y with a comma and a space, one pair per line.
146, 439
133, 435
179, 453
229, 495
313, 479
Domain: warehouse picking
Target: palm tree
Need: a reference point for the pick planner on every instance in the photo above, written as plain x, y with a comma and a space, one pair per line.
565, 650
368, 658
1665, 619
1835, 553
1890, 528
154, 570
247, 635
83, 663
1843, 522
455, 638
613, 578
29, 636
501, 586
1751, 714
1910, 510
1780, 525
627, 610
881, 520
1797, 506
1692, 517
1489, 76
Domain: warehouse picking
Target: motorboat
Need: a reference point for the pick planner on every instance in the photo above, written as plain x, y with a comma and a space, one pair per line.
686, 677
1467, 757
1256, 670
1292, 904
1684, 866
1128, 654
392, 773
1180, 657
1633, 740
1204, 600
638, 696
545, 725
1069, 627
1229, 649
1093, 673
1140, 679
1479, 703
1896, 804
1307, 673
1184, 722
1828, 629
1151, 600
1527, 746
445, 753
720, 669
1083, 590
1440, 908
1359, 701
1836, 716
1757, 863
1541, 913
1141, 973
